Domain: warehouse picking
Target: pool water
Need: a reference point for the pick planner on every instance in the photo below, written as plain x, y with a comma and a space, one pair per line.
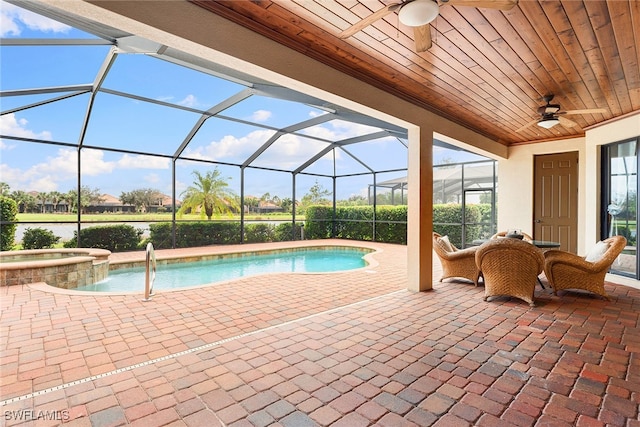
179, 275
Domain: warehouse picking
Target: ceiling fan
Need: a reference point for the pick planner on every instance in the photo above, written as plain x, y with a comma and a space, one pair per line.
419, 13
550, 115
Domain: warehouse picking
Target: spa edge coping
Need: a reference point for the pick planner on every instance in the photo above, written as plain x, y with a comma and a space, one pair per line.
75, 255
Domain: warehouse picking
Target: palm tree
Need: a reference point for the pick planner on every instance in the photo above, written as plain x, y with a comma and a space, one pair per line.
210, 194
56, 198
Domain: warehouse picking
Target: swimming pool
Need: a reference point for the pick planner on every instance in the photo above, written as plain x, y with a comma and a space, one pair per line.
234, 266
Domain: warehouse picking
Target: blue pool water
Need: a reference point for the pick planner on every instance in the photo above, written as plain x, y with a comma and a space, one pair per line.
179, 275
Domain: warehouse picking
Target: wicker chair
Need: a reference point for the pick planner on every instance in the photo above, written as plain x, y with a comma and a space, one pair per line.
500, 234
565, 270
509, 267
456, 262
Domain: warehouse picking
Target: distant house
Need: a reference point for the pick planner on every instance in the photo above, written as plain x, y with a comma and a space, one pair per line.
110, 204
113, 204
268, 207
107, 204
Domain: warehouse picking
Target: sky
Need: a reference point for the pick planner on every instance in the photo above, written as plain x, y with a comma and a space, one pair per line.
122, 123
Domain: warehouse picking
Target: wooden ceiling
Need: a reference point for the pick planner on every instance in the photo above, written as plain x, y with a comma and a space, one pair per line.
487, 69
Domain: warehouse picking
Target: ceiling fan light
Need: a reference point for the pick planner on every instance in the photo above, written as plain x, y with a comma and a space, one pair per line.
548, 123
418, 13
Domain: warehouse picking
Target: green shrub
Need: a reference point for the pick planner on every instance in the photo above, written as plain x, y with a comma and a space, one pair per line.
284, 232
259, 233
356, 222
39, 238
194, 233
447, 220
485, 212
629, 233
8, 213
116, 238
391, 224
318, 222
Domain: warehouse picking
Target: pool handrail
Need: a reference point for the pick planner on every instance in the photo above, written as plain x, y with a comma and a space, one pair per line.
150, 272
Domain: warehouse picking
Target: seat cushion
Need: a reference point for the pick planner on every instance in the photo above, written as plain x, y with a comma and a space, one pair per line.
595, 253
445, 243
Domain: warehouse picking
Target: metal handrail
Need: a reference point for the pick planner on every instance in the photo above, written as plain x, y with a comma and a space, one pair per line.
150, 272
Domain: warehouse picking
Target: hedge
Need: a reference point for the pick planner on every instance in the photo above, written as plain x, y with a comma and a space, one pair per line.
447, 220
116, 238
8, 213
356, 223
195, 233
350, 222
204, 233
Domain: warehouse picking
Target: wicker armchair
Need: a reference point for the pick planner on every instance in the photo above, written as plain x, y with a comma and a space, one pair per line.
501, 234
509, 267
456, 262
565, 270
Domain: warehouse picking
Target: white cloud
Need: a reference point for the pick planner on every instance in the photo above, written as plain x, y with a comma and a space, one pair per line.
12, 176
337, 130
261, 115
44, 176
128, 161
5, 145
49, 174
152, 178
231, 148
10, 125
189, 101
13, 18
288, 152
8, 26
44, 184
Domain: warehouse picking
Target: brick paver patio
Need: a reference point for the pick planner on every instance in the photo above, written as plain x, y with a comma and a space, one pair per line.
343, 349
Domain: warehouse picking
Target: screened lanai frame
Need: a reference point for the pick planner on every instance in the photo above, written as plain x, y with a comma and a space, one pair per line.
122, 45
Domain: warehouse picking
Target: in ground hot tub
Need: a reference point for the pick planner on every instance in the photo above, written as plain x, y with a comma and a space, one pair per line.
64, 268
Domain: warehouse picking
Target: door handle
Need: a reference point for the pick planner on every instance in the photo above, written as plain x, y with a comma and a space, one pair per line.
538, 221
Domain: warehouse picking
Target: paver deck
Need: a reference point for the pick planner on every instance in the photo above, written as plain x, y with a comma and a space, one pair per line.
344, 349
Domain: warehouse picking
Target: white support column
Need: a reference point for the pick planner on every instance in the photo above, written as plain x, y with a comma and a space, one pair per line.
420, 215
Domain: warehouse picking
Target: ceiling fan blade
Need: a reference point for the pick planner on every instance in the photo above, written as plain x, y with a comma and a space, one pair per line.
531, 123
588, 111
422, 37
485, 4
566, 122
379, 14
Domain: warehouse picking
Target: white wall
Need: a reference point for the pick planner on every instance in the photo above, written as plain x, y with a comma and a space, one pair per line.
515, 178
515, 184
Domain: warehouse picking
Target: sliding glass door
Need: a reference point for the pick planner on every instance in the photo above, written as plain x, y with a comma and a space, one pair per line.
620, 201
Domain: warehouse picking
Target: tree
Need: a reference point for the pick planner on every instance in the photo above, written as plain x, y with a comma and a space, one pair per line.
5, 189
317, 195
286, 204
251, 202
210, 194
354, 200
25, 201
70, 199
142, 198
8, 214
56, 198
43, 197
87, 197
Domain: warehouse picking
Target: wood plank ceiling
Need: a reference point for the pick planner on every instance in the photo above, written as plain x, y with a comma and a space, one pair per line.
487, 69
